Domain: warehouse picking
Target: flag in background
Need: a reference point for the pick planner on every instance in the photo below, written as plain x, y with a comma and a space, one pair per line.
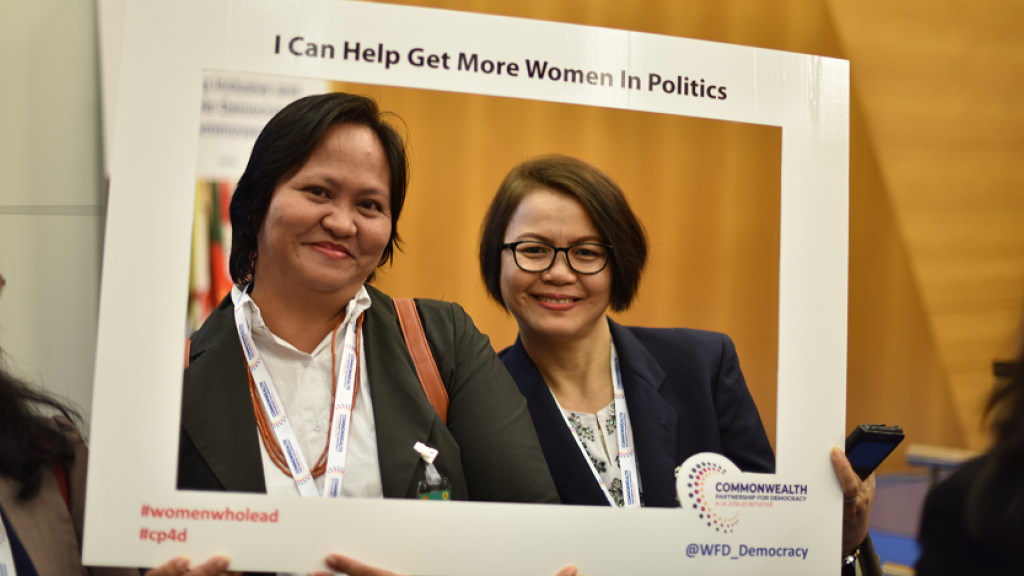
209, 280
220, 241
236, 106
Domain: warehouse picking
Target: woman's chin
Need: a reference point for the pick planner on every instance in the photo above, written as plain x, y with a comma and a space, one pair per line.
564, 330
325, 286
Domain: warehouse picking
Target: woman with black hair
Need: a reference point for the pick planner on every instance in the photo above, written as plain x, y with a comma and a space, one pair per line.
973, 522
42, 489
561, 245
618, 408
301, 382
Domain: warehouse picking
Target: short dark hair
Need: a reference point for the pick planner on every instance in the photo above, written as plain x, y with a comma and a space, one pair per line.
284, 145
601, 198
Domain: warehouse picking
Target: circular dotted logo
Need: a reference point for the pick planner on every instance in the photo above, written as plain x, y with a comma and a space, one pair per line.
698, 478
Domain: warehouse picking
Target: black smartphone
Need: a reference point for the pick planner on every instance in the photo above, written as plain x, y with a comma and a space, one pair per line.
869, 444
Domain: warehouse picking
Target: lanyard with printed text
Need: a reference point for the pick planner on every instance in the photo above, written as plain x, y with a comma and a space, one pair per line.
623, 440
341, 421
6, 555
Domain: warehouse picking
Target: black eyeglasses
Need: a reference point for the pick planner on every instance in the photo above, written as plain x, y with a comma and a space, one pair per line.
583, 258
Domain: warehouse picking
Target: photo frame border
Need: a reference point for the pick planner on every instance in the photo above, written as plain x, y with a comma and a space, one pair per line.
167, 46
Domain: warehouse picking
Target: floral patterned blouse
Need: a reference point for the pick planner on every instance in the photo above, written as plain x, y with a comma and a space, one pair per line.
597, 434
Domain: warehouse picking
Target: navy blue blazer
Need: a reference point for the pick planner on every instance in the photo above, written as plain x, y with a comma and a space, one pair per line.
685, 394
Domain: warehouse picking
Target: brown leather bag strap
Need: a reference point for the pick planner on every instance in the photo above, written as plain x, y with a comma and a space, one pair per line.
188, 350
426, 368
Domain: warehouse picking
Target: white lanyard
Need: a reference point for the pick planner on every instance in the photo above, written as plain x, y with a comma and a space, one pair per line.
623, 439
272, 406
6, 555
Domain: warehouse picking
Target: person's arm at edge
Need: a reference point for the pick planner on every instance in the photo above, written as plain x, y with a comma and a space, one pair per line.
857, 498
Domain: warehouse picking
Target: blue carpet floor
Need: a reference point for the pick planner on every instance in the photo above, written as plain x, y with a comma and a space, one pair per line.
897, 548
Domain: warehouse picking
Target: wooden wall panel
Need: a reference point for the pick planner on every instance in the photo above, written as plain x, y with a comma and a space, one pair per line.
895, 372
708, 193
941, 85
936, 266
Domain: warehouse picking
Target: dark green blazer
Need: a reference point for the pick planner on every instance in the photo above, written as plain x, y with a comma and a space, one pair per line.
488, 451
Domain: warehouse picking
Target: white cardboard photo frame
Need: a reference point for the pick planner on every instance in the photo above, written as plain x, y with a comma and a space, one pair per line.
136, 410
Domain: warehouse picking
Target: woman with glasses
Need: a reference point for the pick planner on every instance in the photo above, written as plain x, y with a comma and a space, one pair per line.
561, 245
617, 409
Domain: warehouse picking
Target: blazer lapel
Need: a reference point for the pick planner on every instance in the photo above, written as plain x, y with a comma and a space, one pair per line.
652, 419
402, 414
569, 467
216, 405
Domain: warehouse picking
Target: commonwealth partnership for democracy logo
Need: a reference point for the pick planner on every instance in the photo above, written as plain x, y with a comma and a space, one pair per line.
713, 492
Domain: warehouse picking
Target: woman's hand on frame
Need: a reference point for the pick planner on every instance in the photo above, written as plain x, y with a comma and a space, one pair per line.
353, 567
857, 497
216, 566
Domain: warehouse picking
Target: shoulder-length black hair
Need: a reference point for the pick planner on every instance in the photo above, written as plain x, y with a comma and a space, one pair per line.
994, 506
600, 196
30, 443
284, 145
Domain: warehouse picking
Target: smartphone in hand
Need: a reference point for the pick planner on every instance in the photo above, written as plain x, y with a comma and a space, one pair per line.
869, 444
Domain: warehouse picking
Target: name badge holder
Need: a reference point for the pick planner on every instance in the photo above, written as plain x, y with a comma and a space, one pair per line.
434, 486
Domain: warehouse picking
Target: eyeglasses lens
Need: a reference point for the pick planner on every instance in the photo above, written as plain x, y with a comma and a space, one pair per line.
583, 258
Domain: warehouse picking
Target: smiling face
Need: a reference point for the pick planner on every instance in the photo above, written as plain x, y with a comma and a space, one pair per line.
328, 223
558, 303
